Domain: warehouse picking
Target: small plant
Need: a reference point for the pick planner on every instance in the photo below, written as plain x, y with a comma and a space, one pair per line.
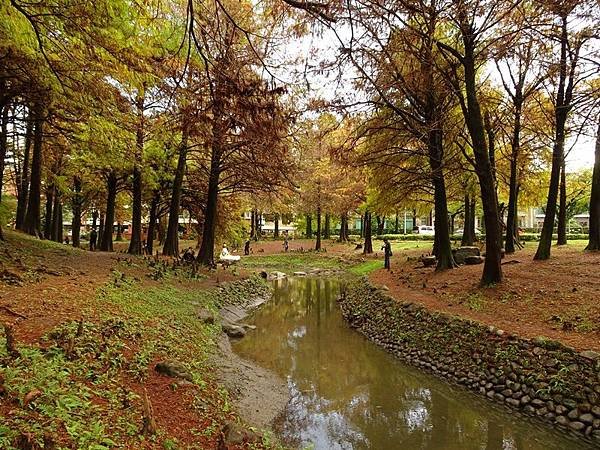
509, 353
475, 301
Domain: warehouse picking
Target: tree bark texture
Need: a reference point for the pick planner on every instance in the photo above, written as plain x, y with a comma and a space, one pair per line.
77, 204
24, 176
492, 269
368, 247
152, 222
31, 224
135, 244
171, 238
594, 230
561, 110
106, 244
318, 242
562, 210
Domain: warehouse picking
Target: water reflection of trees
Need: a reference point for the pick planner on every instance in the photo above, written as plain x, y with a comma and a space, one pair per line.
348, 393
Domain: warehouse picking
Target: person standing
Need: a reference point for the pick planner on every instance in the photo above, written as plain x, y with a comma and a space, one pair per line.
387, 248
93, 239
247, 247
286, 244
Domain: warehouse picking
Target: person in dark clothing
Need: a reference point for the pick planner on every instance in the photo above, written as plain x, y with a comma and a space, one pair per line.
247, 247
189, 255
93, 239
387, 248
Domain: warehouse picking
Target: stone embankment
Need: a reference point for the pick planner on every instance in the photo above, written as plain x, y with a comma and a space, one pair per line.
537, 377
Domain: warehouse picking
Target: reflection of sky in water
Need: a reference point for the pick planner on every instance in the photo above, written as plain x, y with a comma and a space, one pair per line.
308, 415
346, 393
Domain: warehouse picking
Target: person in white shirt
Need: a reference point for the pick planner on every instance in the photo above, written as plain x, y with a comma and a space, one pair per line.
226, 256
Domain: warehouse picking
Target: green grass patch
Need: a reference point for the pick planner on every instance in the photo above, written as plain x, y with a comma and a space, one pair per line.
289, 262
366, 267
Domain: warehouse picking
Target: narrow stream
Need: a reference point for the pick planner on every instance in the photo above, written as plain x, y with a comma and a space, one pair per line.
347, 393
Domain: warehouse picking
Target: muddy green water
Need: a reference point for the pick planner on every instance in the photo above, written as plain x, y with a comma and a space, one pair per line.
347, 393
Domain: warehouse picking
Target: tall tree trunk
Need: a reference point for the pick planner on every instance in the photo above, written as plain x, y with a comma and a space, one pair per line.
31, 224
106, 244
368, 247
491, 139
207, 248
3, 147
443, 246
562, 210
24, 176
467, 237
516, 223
318, 243
309, 231
259, 217
101, 223
492, 269
152, 223
161, 230
396, 224
77, 203
50, 190
60, 221
135, 244
56, 227
276, 228
380, 225
171, 238
511, 219
414, 218
253, 224
362, 225
327, 231
473, 219
561, 110
344, 228
594, 230
119, 236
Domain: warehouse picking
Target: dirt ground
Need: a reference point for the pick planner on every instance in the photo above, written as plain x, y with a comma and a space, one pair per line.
558, 298
44, 285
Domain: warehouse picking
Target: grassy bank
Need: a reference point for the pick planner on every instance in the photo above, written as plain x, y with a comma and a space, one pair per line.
290, 262
90, 381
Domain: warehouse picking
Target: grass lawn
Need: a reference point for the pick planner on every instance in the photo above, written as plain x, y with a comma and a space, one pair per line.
290, 262
366, 267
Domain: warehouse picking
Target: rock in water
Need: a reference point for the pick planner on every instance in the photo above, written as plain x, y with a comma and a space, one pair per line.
233, 331
300, 274
276, 275
173, 369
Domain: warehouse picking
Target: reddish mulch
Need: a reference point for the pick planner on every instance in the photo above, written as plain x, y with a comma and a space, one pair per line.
174, 410
558, 298
60, 286
272, 247
54, 299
